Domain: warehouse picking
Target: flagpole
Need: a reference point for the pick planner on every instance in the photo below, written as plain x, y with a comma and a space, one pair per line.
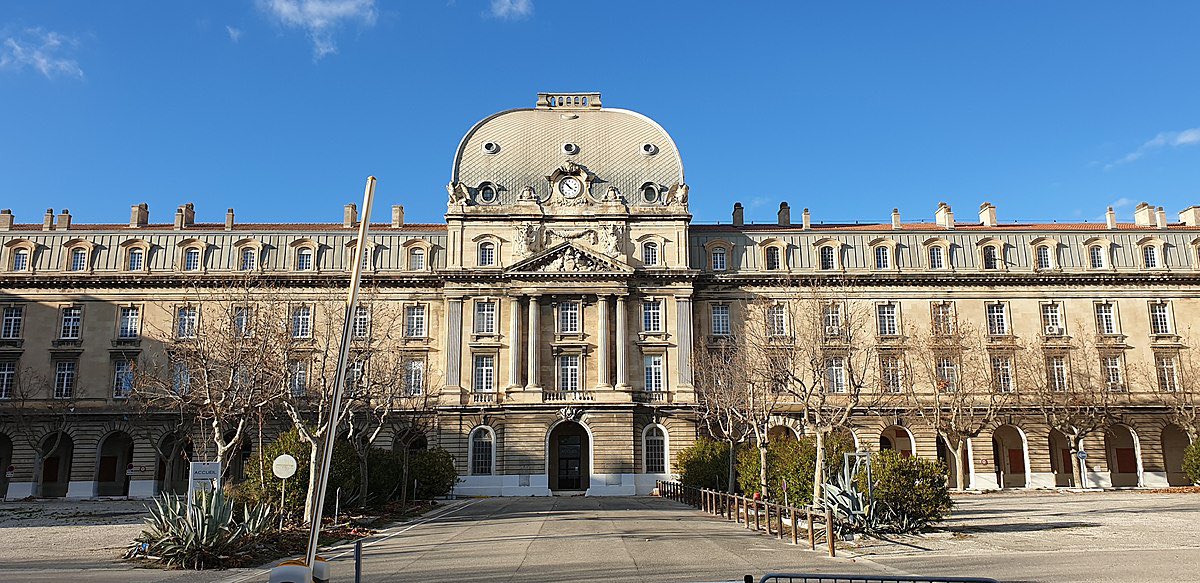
339, 379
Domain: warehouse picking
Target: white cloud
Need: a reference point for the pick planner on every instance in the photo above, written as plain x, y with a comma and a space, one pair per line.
512, 9
1189, 137
1120, 202
320, 18
235, 34
41, 50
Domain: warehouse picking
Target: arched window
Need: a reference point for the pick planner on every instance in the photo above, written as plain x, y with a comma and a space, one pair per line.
1096, 257
483, 451
137, 260
191, 259
1043, 256
249, 259
487, 254
883, 257
937, 258
304, 259
991, 259
718, 259
79, 259
1150, 257
827, 258
20, 261
654, 450
773, 258
416, 259
650, 253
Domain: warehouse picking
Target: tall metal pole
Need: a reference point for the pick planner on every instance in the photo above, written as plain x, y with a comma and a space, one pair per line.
339, 379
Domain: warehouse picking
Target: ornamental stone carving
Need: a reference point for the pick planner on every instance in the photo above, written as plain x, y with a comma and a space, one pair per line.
529, 239
612, 239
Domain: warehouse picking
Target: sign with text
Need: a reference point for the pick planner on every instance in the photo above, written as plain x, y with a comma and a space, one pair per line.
203, 477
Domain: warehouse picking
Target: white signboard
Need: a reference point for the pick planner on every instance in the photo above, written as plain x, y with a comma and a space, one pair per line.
203, 478
284, 466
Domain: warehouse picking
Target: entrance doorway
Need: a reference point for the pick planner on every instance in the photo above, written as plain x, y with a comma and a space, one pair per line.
1008, 457
1175, 442
115, 455
569, 465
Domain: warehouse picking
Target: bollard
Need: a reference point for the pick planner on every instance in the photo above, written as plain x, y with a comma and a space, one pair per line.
812, 536
792, 513
829, 532
358, 561
779, 521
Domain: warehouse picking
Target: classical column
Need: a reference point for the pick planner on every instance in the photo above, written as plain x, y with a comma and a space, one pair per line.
454, 308
602, 346
622, 342
683, 306
514, 342
535, 361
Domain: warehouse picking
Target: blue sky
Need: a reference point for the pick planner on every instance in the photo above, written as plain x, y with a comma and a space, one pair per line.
281, 108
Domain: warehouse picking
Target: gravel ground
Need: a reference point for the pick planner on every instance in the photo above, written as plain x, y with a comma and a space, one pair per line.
52, 531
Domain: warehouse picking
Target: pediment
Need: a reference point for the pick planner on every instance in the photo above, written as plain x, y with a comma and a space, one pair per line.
568, 259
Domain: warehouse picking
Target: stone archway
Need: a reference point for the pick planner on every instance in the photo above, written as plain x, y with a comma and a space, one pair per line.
54, 475
1174, 442
781, 433
1124, 456
1062, 463
1010, 457
898, 439
568, 457
171, 475
112, 458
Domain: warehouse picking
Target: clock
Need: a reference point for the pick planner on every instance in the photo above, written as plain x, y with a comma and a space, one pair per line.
570, 187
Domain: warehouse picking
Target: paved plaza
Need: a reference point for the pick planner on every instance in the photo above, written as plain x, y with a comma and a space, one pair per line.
1026, 536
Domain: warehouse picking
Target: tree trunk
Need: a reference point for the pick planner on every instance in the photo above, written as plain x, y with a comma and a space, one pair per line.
819, 468
309, 501
1078, 466
732, 483
762, 469
362, 477
960, 463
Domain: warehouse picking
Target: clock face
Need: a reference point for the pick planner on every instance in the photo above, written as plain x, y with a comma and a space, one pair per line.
570, 187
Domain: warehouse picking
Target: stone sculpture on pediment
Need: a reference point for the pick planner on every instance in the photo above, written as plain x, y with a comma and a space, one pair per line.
529, 240
571, 260
613, 194
458, 194
677, 195
612, 239
528, 194
554, 236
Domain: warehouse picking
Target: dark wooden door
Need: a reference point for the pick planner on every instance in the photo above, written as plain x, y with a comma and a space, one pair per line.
570, 448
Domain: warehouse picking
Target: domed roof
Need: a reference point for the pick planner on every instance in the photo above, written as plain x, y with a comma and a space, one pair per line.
519, 148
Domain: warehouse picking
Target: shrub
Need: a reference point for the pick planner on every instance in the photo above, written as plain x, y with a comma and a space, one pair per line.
1191, 462
704, 464
434, 472
794, 461
343, 474
209, 533
908, 491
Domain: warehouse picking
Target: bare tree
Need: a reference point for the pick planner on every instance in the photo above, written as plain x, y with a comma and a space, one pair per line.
721, 398
40, 414
1175, 374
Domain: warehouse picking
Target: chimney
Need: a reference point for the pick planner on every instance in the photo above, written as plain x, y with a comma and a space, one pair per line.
139, 215
6, 219
229, 219
785, 214
805, 220
987, 214
48, 220
64, 220
397, 216
1160, 216
1143, 215
739, 215
178, 218
189, 214
1110, 218
350, 216
944, 216
1189, 216
895, 218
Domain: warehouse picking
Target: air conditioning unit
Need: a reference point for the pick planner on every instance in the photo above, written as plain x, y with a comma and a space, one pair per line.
833, 330
1053, 330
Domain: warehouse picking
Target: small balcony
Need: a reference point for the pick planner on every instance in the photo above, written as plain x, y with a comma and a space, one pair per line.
650, 396
555, 396
483, 398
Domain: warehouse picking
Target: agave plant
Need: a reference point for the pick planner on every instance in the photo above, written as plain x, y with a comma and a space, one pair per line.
850, 507
202, 534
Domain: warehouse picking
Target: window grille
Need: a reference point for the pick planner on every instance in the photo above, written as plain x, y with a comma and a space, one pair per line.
568, 372
773, 258
652, 316
1056, 373
20, 260
297, 378
1150, 257
136, 260
1096, 257
414, 322
937, 258
1106, 318
79, 260
8, 378
304, 260
991, 260
186, 320
302, 322
361, 322
414, 377
122, 378
891, 374
568, 317
1002, 374
10, 327
485, 373
416, 259
947, 374
485, 317
776, 321
1043, 257
997, 319
835, 374
943, 318
826, 258
653, 364
72, 323
885, 316
720, 320
1111, 365
883, 258
650, 253
1160, 318
1168, 372
249, 259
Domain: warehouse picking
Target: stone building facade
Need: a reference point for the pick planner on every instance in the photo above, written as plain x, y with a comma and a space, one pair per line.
562, 300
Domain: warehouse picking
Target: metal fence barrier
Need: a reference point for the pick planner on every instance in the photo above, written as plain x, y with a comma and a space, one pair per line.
825, 578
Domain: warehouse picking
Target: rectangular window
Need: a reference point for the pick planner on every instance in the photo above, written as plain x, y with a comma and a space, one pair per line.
653, 364
136, 257
130, 325
1106, 318
484, 380
186, 321
356, 372
414, 322
302, 322
720, 320
891, 374
181, 378
79, 260
1002, 374
997, 319
20, 260
1056, 373
304, 260
947, 374
72, 323
831, 316
1111, 367
568, 318
942, 318
937, 258
1168, 372
64, 379
1052, 319
1150, 256
297, 378
652, 316
1160, 318
776, 321
249, 259
568, 372
485, 317
191, 260
414, 377
362, 322
835, 374
718, 259
10, 327
122, 378
8, 378
241, 322
885, 317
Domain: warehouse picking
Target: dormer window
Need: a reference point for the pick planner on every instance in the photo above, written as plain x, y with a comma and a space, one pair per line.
368, 258
883, 258
136, 260
1042, 257
650, 253
937, 258
79, 259
20, 260
249, 259
1096, 257
304, 259
487, 254
416, 259
773, 261
487, 193
650, 193
191, 260
1150, 257
991, 258
827, 256
717, 259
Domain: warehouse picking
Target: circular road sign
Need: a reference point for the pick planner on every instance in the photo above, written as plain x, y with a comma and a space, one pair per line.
284, 466
1081, 455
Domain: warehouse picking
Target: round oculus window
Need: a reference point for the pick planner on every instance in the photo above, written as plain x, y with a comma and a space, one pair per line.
570, 149
649, 149
490, 147
650, 193
487, 194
